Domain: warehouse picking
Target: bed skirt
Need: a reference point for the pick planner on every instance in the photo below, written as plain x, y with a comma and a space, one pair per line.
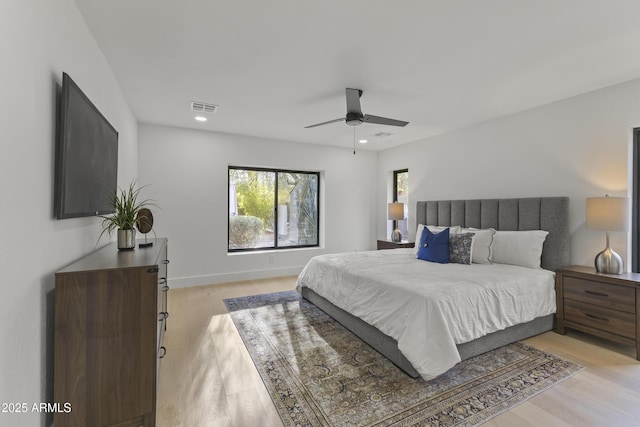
388, 346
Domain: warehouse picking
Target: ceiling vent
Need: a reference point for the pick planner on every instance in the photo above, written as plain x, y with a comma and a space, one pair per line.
203, 107
383, 134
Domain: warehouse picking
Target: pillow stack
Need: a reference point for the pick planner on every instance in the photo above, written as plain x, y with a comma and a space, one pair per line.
444, 246
480, 246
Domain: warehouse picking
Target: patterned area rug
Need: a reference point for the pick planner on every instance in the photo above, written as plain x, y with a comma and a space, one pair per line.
319, 374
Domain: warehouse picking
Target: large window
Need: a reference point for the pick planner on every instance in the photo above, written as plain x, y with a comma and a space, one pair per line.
272, 209
401, 195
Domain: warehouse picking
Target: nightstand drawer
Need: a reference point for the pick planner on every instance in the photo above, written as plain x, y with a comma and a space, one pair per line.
610, 296
598, 317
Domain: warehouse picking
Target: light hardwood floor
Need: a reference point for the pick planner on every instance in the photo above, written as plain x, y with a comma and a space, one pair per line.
208, 378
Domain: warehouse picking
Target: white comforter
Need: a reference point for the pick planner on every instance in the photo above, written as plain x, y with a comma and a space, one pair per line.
428, 307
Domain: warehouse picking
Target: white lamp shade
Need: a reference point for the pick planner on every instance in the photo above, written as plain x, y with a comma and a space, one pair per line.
608, 213
395, 211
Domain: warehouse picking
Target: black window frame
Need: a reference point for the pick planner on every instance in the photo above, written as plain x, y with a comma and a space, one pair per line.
275, 246
395, 182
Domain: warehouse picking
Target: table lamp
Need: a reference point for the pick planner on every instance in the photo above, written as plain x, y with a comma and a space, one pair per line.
608, 214
395, 212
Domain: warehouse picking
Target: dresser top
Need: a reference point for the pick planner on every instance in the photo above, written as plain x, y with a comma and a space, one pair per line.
109, 257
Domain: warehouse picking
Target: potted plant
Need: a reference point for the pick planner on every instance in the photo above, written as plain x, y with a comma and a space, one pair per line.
126, 206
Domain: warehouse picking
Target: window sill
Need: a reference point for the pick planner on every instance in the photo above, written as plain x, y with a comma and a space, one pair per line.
275, 251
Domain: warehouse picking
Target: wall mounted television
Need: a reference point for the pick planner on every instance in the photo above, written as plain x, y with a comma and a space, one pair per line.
86, 173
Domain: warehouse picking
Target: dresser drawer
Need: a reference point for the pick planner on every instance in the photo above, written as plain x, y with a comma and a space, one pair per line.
605, 295
598, 317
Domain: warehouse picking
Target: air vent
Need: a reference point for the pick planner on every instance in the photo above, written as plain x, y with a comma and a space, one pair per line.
203, 107
382, 134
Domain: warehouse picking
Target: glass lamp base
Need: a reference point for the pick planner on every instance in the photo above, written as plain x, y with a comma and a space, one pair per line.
396, 236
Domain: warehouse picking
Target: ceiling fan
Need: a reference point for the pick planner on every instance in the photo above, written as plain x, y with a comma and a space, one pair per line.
354, 115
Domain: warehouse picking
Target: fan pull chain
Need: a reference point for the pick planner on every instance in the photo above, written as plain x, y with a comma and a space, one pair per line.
354, 140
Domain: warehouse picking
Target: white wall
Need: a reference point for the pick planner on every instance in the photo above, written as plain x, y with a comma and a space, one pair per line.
186, 171
577, 147
39, 39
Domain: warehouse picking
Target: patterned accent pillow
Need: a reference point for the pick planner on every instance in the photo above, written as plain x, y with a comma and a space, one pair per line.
460, 248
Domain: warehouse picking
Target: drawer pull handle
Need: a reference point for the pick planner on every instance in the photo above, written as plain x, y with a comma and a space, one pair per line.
162, 316
162, 280
162, 352
165, 288
598, 294
166, 261
603, 319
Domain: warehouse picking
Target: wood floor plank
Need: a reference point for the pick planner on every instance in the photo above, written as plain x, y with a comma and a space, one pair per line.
208, 378
527, 414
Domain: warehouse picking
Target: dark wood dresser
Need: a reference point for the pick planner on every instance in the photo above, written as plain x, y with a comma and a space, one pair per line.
110, 317
606, 305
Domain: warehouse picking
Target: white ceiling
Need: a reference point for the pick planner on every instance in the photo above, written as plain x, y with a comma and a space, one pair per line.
274, 67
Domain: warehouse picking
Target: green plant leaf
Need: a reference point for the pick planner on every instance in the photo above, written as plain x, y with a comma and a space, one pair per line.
126, 205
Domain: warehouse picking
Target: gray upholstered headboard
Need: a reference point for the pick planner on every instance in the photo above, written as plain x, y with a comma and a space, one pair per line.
536, 213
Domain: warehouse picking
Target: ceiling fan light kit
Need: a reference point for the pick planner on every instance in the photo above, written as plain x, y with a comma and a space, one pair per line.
353, 119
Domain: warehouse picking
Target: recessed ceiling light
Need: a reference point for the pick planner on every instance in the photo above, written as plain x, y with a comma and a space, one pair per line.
363, 141
201, 118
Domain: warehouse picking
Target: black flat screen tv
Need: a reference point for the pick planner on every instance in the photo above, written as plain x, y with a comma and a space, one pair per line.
86, 157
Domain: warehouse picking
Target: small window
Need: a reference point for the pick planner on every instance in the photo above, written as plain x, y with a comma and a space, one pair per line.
401, 195
272, 209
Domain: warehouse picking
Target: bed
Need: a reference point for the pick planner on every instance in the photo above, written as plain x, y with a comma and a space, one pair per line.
336, 284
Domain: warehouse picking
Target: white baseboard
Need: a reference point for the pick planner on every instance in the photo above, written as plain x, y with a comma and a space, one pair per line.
186, 282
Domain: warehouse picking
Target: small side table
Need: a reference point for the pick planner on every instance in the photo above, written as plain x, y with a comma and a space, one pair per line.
605, 305
388, 244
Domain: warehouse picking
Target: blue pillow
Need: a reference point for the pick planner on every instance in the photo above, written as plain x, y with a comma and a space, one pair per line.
434, 247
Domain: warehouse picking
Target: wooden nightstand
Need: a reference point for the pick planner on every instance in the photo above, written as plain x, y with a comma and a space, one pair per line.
388, 244
606, 305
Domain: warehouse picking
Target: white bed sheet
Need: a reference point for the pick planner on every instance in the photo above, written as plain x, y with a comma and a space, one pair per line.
428, 307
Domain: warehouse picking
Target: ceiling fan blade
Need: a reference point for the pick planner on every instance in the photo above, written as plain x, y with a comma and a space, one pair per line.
353, 101
368, 118
325, 123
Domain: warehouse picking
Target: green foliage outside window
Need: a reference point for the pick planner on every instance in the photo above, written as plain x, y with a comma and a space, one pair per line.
301, 193
255, 193
244, 231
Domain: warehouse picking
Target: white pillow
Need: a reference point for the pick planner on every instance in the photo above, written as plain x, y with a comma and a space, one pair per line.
522, 248
434, 229
482, 241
